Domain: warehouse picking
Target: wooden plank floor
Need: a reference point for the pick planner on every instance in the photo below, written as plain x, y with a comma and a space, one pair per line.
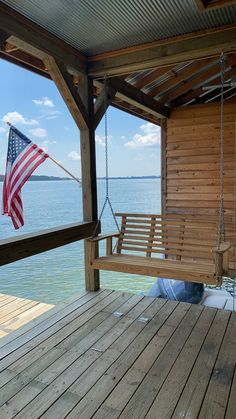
15, 312
116, 355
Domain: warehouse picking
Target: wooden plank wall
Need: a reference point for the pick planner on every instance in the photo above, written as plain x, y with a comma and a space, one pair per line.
193, 159
192, 162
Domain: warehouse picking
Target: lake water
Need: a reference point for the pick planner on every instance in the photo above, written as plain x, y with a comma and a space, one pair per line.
55, 275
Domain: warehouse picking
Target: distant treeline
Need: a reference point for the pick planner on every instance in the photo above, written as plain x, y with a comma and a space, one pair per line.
132, 177
42, 177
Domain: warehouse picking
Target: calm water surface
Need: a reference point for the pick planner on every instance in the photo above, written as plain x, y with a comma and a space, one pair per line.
55, 275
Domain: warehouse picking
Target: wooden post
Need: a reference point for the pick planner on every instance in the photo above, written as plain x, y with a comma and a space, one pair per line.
89, 181
163, 165
80, 105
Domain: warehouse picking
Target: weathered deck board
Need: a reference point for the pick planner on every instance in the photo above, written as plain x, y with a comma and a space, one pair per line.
82, 359
16, 312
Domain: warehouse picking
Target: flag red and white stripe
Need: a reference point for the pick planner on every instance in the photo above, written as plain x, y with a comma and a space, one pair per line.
23, 157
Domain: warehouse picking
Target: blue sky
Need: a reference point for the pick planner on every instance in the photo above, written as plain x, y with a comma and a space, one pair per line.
34, 105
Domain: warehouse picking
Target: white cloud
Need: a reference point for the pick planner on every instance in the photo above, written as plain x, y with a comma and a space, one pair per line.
149, 138
138, 158
73, 155
123, 137
17, 118
39, 132
45, 101
101, 140
2, 130
48, 113
45, 145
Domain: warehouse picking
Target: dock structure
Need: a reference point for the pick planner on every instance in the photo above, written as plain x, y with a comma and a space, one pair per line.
16, 312
110, 354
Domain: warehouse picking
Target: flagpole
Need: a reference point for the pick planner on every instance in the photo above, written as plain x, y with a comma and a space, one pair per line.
58, 164
65, 170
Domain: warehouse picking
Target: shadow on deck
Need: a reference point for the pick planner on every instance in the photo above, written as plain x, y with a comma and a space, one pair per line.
16, 312
112, 354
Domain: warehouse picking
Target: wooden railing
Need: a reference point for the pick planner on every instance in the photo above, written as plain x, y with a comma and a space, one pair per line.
13, 249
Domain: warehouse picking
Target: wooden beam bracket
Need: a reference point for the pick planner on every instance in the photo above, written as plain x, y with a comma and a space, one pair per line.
103, 103
66, 87
134, 96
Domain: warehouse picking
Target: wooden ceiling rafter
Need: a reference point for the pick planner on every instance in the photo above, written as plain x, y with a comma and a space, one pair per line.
205, 5
188, 85
25, 58
181, 76
151, 77
193, 94
196, 94
230, 94
9, 48
26, 65
3, 38
217, 95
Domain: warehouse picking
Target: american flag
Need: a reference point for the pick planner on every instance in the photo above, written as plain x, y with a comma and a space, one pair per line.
23, 157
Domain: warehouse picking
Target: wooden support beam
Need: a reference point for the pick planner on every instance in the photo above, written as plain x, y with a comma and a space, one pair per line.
64, 82
122, 106
81, 107
134, 96
21, 247
188, 47
36, 40
89, 178
163, 165
103, 103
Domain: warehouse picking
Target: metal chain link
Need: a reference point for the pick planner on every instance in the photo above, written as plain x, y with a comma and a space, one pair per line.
221, 223
107, 198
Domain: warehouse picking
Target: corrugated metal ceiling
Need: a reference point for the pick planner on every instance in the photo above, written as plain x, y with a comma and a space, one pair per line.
96, 26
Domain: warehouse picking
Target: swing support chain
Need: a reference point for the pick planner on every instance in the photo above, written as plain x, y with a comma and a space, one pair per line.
107, 197
221, 223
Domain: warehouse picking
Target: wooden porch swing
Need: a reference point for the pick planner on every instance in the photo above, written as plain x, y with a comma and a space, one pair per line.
172, 246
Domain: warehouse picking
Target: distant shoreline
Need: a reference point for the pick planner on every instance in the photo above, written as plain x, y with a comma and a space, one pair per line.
130, 177
55, 178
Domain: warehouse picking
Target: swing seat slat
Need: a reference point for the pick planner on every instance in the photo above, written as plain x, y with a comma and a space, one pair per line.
168, 246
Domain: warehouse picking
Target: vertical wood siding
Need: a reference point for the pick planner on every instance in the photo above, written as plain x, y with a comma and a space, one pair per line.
192, 162
193, 159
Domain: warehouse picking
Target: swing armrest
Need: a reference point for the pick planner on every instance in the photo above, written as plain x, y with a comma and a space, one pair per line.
224, 247
94, 244
222, 258
103, 237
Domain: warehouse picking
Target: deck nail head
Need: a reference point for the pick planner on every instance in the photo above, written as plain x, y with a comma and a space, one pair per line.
144, 319
118, 314
96, 350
